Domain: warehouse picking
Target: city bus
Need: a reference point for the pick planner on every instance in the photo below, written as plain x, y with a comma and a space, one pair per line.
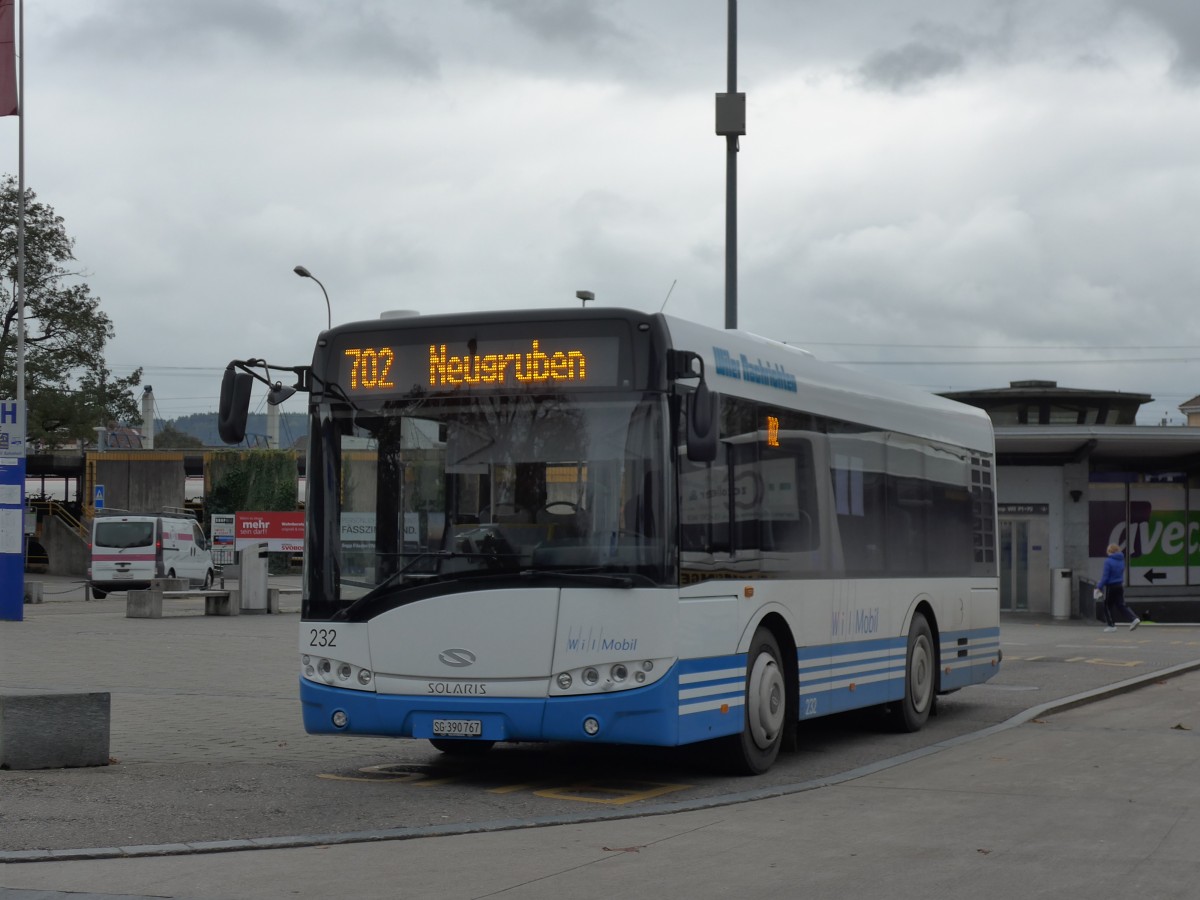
608, 526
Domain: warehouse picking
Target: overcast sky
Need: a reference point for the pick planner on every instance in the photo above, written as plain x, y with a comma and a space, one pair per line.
949, 193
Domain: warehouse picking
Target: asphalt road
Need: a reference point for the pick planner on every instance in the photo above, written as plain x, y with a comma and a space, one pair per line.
208, 746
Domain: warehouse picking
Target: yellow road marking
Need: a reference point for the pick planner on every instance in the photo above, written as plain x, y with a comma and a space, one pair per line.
610, 794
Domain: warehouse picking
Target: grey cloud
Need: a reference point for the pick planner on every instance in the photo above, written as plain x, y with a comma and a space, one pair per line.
910, 65
1180, 19
579, 23
236, 32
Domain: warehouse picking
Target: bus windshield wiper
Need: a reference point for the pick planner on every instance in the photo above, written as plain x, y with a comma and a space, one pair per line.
392, 581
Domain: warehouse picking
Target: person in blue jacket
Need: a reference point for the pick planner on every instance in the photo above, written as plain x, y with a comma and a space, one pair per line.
1112, 587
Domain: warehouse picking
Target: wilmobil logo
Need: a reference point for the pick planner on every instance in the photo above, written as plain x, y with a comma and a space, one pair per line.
772, 375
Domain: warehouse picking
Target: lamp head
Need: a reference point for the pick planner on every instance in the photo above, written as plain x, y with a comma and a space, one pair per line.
302, 272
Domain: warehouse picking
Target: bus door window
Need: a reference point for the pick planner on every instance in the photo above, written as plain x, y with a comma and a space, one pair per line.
389, 501
704, 504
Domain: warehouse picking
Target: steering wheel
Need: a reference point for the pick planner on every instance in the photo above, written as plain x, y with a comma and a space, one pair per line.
572, 509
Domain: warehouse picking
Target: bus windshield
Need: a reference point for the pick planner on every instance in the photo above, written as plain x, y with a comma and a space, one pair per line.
425, 496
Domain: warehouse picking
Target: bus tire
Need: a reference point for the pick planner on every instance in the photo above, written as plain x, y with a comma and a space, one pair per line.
920, 676
764, 716
453, 747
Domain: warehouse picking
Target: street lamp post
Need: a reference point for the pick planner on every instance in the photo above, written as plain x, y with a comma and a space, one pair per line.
731, 124
304, 273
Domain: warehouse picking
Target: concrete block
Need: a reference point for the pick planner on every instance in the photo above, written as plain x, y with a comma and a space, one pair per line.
54, 731
143, 604
33, 592
169, 584
222, 605
272, 600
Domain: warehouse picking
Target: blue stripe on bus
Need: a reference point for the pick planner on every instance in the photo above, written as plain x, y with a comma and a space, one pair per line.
972, 661
839, 677
712, 692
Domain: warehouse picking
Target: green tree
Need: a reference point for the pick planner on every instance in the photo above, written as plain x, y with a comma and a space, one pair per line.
170, 438
69, 389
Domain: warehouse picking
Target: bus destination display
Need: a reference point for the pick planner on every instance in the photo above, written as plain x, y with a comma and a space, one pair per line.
505, 364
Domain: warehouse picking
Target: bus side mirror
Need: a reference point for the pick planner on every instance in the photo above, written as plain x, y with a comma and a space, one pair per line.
703, 425
235, 406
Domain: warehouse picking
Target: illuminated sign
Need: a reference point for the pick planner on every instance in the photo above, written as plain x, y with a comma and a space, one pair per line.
371, 367
533, 367
772, 431
451, 363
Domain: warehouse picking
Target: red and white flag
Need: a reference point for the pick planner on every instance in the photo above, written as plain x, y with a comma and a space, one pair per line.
8, 61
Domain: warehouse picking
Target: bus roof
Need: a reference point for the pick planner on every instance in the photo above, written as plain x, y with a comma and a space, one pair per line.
747, 365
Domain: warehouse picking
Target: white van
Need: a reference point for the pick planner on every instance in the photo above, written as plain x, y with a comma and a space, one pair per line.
129, 549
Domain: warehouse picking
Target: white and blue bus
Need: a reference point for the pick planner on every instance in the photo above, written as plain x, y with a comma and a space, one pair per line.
604, 525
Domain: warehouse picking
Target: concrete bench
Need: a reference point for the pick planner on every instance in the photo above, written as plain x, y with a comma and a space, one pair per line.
54, 731
148, 604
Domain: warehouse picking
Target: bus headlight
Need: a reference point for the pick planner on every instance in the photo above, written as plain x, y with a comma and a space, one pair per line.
624, 675
336, 673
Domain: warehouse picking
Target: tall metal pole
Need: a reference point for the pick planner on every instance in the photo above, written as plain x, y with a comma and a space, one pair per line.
731, 123
731, 151
21, 213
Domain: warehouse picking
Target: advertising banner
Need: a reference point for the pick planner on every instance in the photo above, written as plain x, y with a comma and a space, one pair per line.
1159, 538
282, 532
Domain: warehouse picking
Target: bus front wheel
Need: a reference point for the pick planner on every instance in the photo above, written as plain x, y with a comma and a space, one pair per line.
755, 749
920, 676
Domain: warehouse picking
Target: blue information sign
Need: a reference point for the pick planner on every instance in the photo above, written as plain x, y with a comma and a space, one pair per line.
12, 510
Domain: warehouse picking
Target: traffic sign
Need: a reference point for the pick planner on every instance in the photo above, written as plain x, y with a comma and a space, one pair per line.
98, 498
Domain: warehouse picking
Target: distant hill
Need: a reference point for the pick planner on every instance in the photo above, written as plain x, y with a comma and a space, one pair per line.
293, 428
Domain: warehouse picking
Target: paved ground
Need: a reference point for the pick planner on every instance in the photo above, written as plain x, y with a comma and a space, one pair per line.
1098, 801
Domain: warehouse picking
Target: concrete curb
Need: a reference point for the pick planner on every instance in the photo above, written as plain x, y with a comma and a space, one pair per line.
660, 809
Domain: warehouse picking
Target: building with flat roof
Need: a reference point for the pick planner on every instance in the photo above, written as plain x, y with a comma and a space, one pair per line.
1074, 473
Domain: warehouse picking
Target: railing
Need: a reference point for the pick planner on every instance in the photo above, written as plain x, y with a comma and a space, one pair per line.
56, 509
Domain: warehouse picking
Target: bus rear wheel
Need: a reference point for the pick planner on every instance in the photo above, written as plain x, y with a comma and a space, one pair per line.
920, 677
754, 750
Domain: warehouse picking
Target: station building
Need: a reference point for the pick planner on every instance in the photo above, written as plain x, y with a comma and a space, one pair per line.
1074, 474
